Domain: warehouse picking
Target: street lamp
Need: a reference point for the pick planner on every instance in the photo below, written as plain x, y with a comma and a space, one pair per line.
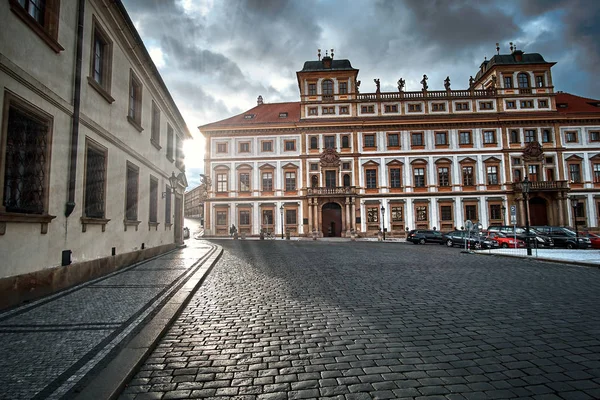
526, 186
281, 212
503, 208
172, 183
575, 205
383, 220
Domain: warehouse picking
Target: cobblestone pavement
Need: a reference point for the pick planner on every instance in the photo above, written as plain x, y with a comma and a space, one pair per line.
298, 320
49, 346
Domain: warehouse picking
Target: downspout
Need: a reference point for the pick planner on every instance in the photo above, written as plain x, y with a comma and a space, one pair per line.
72, 174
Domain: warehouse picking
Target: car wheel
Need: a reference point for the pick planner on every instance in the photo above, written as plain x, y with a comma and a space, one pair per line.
421, 241
449, 243
477, 246
505, 245
570, 245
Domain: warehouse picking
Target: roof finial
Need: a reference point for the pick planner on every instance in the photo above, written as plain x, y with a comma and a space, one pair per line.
259, 101
319, 54
497, 48
511, 47
331, 53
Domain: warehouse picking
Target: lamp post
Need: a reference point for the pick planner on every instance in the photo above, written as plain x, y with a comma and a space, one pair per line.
383, 220
526, 186
503, 208
281, 212
575, 204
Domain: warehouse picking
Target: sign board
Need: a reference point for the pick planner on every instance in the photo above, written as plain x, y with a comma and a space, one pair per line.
468, 225
513, 215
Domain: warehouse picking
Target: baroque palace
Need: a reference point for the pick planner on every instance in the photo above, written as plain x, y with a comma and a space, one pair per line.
340, 160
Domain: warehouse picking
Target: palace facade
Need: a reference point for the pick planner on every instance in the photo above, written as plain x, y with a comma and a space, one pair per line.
340, 160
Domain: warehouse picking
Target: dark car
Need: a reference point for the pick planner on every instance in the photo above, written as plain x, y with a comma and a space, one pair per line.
537, 239
474, 240
422, 236
564, 237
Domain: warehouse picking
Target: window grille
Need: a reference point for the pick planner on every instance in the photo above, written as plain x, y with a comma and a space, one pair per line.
131, 194
95, 182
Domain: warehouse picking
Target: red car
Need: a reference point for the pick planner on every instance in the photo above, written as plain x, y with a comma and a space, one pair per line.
506, 241
595, 239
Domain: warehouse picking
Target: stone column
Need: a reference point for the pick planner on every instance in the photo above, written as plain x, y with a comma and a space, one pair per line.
561, 209
310, 218
318, 217
353, 213
521, 209
348, 217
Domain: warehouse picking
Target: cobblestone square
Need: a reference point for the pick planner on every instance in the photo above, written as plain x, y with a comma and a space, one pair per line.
358, 320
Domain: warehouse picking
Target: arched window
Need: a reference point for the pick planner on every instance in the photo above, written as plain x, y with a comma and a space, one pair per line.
314, 143
327, 87
314, 181
345, 142
346, 180
523, 79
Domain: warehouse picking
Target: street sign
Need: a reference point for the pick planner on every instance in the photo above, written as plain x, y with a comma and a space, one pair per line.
468, 225
513, 215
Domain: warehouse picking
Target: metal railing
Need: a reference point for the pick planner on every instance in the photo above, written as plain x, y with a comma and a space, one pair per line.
343, 190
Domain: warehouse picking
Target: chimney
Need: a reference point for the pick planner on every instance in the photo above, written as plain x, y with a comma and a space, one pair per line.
327, 60
259, 101
518, 55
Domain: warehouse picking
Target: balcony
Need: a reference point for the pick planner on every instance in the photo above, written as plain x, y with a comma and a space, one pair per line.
541, 186
331, 191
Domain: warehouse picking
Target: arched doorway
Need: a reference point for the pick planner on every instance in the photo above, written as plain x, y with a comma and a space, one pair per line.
538, 212
332, 220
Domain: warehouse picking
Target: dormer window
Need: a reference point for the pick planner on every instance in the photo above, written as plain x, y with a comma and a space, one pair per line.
248, 116
523, 80
283, 115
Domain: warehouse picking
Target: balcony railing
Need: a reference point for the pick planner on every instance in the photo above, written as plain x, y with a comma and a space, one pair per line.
328, 191
432, 94
542, 185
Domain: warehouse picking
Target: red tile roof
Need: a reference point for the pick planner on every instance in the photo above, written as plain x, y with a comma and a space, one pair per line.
266, 113
576, 105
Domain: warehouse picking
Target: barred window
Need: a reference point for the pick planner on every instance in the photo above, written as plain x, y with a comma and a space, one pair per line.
446, 213
395, 178
268, 217
153, 217
372, 214
169, 143
95, 183
495, 211
244, 217
290, 181
135, 99
26, 162
421, 213
371, 175
290, 217
155, 127
397, 214
471, 212
131, 195
168, 205
221, 217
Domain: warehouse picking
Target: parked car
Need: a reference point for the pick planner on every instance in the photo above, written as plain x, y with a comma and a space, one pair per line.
536, 238
460, 238
564, 237
422, 236
506, 241
594, 239
186, 232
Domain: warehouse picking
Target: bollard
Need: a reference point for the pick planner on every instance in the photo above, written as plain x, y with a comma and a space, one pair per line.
287, 235
235, 236
314, 234
262, 235
243, 235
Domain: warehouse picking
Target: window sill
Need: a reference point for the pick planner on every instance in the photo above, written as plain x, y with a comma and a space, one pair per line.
444, 188
493, 187
369, 148
128, 222
222, 194
417, 147
393, 147
442, 146
490, 145
42, 219
135, 124
466, 146
155, 144
420, 189
153, 225
35, 26
168, 225
171, 159
102, 91
85, 221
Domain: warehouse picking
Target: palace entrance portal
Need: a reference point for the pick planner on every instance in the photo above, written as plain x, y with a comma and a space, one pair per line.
538, 212
332, 220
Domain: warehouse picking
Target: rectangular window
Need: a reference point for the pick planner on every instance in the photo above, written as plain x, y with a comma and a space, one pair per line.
267, 217
101, 59
312, 89
596, 173
244, 147
367, 109
539, 81
179, 156
283, 115
465, 138
267, 181
571, 137
446, 213
393, 140
135, 101
330, 179
489, 137
516, 161
515, 136
369, 140
463, 106
575, 173
492, 175
471, 212
438, 107
169, 143
314, 166
290, 217
155, 125
395, 178
441, 138
580, 210
416, 139
131, 193
344, 110
371, 175
244, 182
526, 104
327, 110
421, 213
495, 211
511, 105
508, 82
391, 108
594, 136
543, 103
329, 142
414, 107
221, 147
290, 181
533, 173
443, 176
313, 111
486, 105
419, 177
222, 183
153, 207
244, 217
221, 218
290, 145
267, 145
343, 87
530, 135
314, 143
372, 215
468, 176
168, 205
517, 175
346, 165
95, 182
397, 214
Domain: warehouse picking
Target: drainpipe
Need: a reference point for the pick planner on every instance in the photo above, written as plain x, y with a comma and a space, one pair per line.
72, 175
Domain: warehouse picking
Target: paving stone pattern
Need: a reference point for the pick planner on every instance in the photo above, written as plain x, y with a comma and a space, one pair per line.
48, 346
299, 320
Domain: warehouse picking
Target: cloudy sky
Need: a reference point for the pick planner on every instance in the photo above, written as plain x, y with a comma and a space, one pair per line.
218, 56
